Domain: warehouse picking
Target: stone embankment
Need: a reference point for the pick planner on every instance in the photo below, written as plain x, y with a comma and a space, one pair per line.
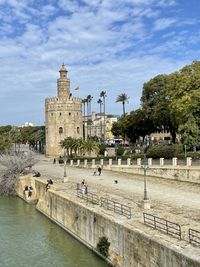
131, 243
174, 171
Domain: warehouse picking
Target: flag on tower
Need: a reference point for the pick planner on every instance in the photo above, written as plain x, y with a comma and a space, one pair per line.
77, 88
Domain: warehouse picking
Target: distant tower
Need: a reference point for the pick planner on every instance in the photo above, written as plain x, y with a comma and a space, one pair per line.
63, 115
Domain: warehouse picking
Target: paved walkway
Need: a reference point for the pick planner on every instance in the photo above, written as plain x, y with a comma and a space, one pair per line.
174, 200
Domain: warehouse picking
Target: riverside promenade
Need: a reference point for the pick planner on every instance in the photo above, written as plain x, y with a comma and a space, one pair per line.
175, 201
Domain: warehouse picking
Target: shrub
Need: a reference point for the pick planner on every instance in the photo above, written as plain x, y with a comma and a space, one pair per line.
102, 149
164, 151
120, 151
103, 246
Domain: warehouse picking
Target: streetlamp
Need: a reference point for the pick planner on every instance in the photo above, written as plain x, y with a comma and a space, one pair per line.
145, 166
65, 163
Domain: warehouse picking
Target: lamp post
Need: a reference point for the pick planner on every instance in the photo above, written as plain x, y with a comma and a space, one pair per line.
65, 163
145, 166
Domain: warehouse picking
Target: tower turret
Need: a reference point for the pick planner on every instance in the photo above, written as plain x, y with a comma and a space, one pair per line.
63, 83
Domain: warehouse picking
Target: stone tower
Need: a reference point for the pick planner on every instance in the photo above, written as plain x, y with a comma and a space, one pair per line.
63, 116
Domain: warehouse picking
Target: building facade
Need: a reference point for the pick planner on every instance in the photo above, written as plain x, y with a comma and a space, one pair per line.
96, 125
63, 116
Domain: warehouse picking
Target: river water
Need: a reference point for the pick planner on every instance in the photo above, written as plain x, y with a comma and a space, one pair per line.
29, 239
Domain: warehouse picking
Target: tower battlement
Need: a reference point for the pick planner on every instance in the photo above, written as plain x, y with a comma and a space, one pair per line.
62, 99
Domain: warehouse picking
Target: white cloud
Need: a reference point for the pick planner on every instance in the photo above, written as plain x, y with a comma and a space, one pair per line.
164, 23
105, 44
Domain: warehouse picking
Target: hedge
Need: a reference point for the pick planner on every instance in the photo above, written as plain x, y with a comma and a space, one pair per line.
167, 152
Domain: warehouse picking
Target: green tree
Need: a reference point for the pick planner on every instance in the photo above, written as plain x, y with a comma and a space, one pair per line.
156, 101
190, 133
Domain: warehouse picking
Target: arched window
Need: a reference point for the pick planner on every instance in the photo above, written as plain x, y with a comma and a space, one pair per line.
78, 130
69, 113
60, 130
60, 113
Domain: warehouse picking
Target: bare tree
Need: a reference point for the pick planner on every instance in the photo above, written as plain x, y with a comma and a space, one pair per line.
15, 164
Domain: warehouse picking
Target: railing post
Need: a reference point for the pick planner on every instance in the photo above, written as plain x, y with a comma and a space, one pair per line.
149, 161
162, 160
85, 162
128, 161
119, 162
174, 161
71, 162
188, 161
101, 162
110, 162
93, 163
139, 162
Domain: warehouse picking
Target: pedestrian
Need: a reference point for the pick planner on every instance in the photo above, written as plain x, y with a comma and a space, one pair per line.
95, 172
54, 161
99, 170
86, 189
25, 188
29, 193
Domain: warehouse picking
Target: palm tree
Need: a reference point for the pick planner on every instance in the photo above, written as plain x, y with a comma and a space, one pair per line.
89, 146
89, 100
100, 104
103, 95
76, 145
84, 101
67, 144
123, 98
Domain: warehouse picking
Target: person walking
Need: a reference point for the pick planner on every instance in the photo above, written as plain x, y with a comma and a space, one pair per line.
99, 170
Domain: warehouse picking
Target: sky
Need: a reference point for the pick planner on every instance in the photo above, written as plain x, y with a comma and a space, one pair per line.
110, 45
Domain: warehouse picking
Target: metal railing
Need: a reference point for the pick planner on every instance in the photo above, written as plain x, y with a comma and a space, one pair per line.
194, 237
116, 207
166, 226
90, 197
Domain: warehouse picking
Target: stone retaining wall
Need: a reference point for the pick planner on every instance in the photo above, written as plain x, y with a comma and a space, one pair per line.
129, 247
176, 173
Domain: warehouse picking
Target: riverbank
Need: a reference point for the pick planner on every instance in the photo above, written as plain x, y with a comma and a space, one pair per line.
131, 243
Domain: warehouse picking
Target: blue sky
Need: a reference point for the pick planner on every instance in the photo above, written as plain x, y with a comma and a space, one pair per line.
112, 45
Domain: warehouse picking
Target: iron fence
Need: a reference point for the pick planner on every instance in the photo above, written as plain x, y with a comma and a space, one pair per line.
194, 237
90, 197
166, 226
116, 207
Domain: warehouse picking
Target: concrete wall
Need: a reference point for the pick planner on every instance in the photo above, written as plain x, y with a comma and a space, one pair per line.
129, 247
187, 174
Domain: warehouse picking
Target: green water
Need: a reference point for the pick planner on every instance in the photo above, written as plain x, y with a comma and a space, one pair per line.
28, 238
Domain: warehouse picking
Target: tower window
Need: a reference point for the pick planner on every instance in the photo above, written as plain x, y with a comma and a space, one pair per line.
69, 113
78, 130
60, 130
60, 113
51, 114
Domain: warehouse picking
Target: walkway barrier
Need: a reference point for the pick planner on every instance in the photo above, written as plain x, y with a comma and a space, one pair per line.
194, 237
166, 226
90, 197
116, 207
